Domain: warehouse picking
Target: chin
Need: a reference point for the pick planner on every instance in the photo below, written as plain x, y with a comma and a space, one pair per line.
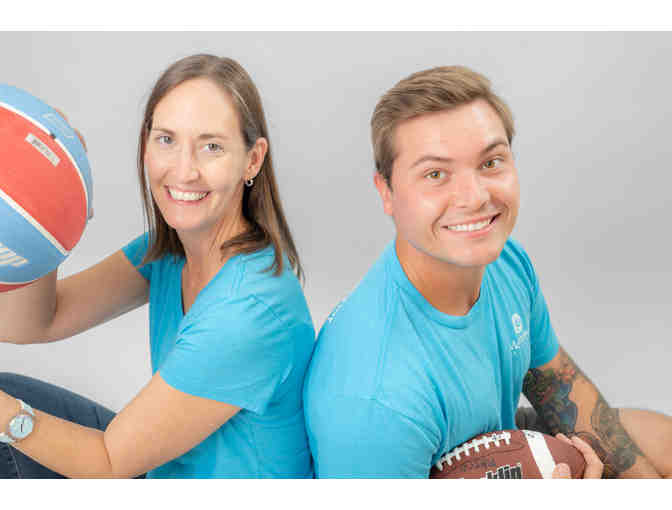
469, 258
182, 226
473, 262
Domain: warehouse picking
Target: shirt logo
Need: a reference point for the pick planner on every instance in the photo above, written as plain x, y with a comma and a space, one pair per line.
521, 336
517, 323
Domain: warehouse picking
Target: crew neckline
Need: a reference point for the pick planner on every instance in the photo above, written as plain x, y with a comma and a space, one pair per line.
453, 321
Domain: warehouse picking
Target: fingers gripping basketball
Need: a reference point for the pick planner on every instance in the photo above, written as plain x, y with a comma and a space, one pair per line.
45, 188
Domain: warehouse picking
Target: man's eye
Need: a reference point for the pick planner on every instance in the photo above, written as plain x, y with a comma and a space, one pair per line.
435, 174
213, 147
493, 163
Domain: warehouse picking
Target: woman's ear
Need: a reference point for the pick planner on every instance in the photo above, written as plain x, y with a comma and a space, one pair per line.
257, 154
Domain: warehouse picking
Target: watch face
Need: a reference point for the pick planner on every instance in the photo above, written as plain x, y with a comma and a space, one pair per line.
21, 426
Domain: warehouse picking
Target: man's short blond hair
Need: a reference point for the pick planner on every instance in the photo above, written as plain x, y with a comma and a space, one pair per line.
428, 91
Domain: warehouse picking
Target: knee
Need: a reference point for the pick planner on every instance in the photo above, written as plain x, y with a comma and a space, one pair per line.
13, 384
652, 433
6, 379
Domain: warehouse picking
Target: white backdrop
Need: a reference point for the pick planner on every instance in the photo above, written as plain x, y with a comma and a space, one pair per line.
592, 114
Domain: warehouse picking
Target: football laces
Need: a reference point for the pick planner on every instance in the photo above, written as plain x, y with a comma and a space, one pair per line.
485, 441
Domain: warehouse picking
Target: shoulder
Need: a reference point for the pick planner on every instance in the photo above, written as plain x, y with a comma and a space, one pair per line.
156, 270
351, 346
366, 306
281, 293
138, 245
248, 319
246, 294
135, 251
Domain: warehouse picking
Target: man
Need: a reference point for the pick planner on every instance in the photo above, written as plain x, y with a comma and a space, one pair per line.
436, 342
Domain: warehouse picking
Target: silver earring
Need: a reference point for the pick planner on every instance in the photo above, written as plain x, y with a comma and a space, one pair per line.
249, 183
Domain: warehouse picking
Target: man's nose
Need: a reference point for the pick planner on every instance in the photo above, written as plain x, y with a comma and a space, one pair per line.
469, 190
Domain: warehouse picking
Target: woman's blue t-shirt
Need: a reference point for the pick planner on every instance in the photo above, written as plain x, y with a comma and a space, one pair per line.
246, 341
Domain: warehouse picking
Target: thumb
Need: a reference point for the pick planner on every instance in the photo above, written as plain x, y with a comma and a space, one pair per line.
561, 471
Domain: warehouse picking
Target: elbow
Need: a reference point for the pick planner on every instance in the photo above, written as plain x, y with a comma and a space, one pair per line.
106, 470
116, 465
35, 336
14, 340
24, 340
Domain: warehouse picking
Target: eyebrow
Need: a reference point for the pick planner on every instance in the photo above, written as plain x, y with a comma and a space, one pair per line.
202, 136
442, 159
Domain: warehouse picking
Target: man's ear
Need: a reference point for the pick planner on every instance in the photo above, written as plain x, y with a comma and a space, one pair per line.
385, 193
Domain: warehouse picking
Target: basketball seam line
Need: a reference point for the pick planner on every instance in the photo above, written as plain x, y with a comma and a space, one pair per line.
34, 223
60, 144
79, 173
18, 283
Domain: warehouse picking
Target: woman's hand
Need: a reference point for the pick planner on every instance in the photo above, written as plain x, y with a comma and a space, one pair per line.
81, 138
594, 466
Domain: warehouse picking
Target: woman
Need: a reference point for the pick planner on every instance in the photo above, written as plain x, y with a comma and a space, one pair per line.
231, 334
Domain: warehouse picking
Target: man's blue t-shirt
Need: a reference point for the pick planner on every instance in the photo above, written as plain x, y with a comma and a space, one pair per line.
246, 341
394, 383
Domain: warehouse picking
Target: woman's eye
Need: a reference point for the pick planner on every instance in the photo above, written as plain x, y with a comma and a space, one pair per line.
435, 174
164, 139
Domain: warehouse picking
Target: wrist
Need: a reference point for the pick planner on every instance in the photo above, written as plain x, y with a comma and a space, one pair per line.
9, 407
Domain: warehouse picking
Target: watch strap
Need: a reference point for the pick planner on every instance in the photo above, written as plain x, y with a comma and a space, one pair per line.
25, 407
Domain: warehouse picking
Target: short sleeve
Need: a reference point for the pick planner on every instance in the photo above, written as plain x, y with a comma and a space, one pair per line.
352, 437
135, 252
236, 351
544, 342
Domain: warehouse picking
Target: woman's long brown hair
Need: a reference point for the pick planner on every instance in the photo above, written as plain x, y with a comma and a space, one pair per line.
261, 205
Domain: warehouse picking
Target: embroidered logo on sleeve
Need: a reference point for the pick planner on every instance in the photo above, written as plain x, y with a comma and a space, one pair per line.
522, 335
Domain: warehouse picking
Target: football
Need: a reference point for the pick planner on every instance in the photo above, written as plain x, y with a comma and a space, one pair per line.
509, 454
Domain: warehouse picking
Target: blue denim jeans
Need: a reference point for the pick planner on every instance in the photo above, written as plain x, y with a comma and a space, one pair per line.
55, 401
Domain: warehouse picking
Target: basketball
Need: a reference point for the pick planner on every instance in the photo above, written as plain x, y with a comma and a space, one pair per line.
45, 188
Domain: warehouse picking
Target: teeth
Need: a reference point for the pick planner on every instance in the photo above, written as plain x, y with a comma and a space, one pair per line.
471, 227
186, 196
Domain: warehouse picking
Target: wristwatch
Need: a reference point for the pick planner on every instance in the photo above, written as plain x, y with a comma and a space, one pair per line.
20, 426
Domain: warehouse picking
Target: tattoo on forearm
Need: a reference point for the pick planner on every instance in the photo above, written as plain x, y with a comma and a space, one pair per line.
623, 451
549, 393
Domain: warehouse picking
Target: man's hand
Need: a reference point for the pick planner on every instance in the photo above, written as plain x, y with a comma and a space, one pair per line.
594, 466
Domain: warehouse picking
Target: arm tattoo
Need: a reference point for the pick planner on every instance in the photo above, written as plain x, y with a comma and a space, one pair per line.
620, 451
549, 393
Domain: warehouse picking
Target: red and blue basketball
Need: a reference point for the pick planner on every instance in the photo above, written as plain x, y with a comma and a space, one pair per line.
45, 188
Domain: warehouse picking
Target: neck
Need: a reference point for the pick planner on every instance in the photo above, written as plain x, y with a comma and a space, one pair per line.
450, 289
204, 258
